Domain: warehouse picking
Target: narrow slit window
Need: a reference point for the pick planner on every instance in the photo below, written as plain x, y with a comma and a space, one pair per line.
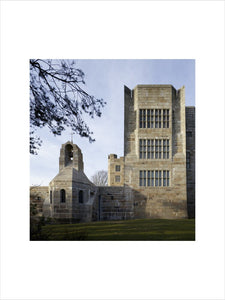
62, 196
152, 119
168, 178
50, 197
167, 118
141, 118
144, 118
141, 178
144, 178
152, 178
156, 178
159, 118
81, 196
148, 149
141, 149
152, 149
144, 149
164, 178
160, 178
168, 149
156, 118
160, 148
148, 118
149, 183
156, 149
164, 149
164, 118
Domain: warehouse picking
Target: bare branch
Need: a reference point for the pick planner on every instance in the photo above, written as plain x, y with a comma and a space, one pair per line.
100, 178
57, 100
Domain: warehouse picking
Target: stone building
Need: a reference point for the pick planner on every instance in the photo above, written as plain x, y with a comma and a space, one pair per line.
154, 179
71, 193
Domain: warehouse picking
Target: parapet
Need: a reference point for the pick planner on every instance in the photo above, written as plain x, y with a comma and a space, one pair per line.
112, 156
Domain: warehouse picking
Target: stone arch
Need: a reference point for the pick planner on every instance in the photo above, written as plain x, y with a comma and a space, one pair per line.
68, 154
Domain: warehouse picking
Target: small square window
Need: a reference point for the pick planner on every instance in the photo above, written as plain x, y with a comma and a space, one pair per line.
117, 168
117, 178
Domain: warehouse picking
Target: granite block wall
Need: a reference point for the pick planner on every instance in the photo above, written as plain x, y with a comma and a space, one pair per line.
190, 148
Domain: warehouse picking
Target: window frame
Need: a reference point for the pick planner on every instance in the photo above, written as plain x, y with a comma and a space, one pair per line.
117, 177
154, 118
117, 168
154, 148
154, 178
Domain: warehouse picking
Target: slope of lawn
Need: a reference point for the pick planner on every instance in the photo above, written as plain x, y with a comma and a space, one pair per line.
129, 230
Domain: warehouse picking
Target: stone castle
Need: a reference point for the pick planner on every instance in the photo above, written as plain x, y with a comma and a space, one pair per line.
154, 179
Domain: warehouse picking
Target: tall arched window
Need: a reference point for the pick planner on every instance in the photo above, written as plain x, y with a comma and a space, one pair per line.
81, 194
62, 196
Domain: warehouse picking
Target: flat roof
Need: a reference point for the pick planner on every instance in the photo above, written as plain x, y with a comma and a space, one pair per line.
154, 85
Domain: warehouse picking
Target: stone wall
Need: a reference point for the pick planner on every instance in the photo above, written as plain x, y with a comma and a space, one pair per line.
79, 195
38, 194
112, 204
71, 193
160, 203
115, 170
154, 201
190, 144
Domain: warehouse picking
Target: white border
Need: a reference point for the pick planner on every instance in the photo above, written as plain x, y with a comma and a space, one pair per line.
151, 270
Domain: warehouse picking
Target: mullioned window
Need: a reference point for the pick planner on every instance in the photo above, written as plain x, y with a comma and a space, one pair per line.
154, 148
154, 118
154, 178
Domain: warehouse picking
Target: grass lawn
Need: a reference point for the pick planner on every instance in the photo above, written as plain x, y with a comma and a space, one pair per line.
130, 230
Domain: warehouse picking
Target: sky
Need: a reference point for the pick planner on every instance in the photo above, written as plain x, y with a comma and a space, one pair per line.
106, 79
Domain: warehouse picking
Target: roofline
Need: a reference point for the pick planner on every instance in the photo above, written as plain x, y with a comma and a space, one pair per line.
154, 85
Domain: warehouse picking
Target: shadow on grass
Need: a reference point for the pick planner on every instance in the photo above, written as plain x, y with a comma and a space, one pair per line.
130, 230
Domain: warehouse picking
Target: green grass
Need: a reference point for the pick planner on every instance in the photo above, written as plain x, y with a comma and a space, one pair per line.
130, 230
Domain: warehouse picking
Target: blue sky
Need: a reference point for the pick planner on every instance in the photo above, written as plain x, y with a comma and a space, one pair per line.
106, 79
